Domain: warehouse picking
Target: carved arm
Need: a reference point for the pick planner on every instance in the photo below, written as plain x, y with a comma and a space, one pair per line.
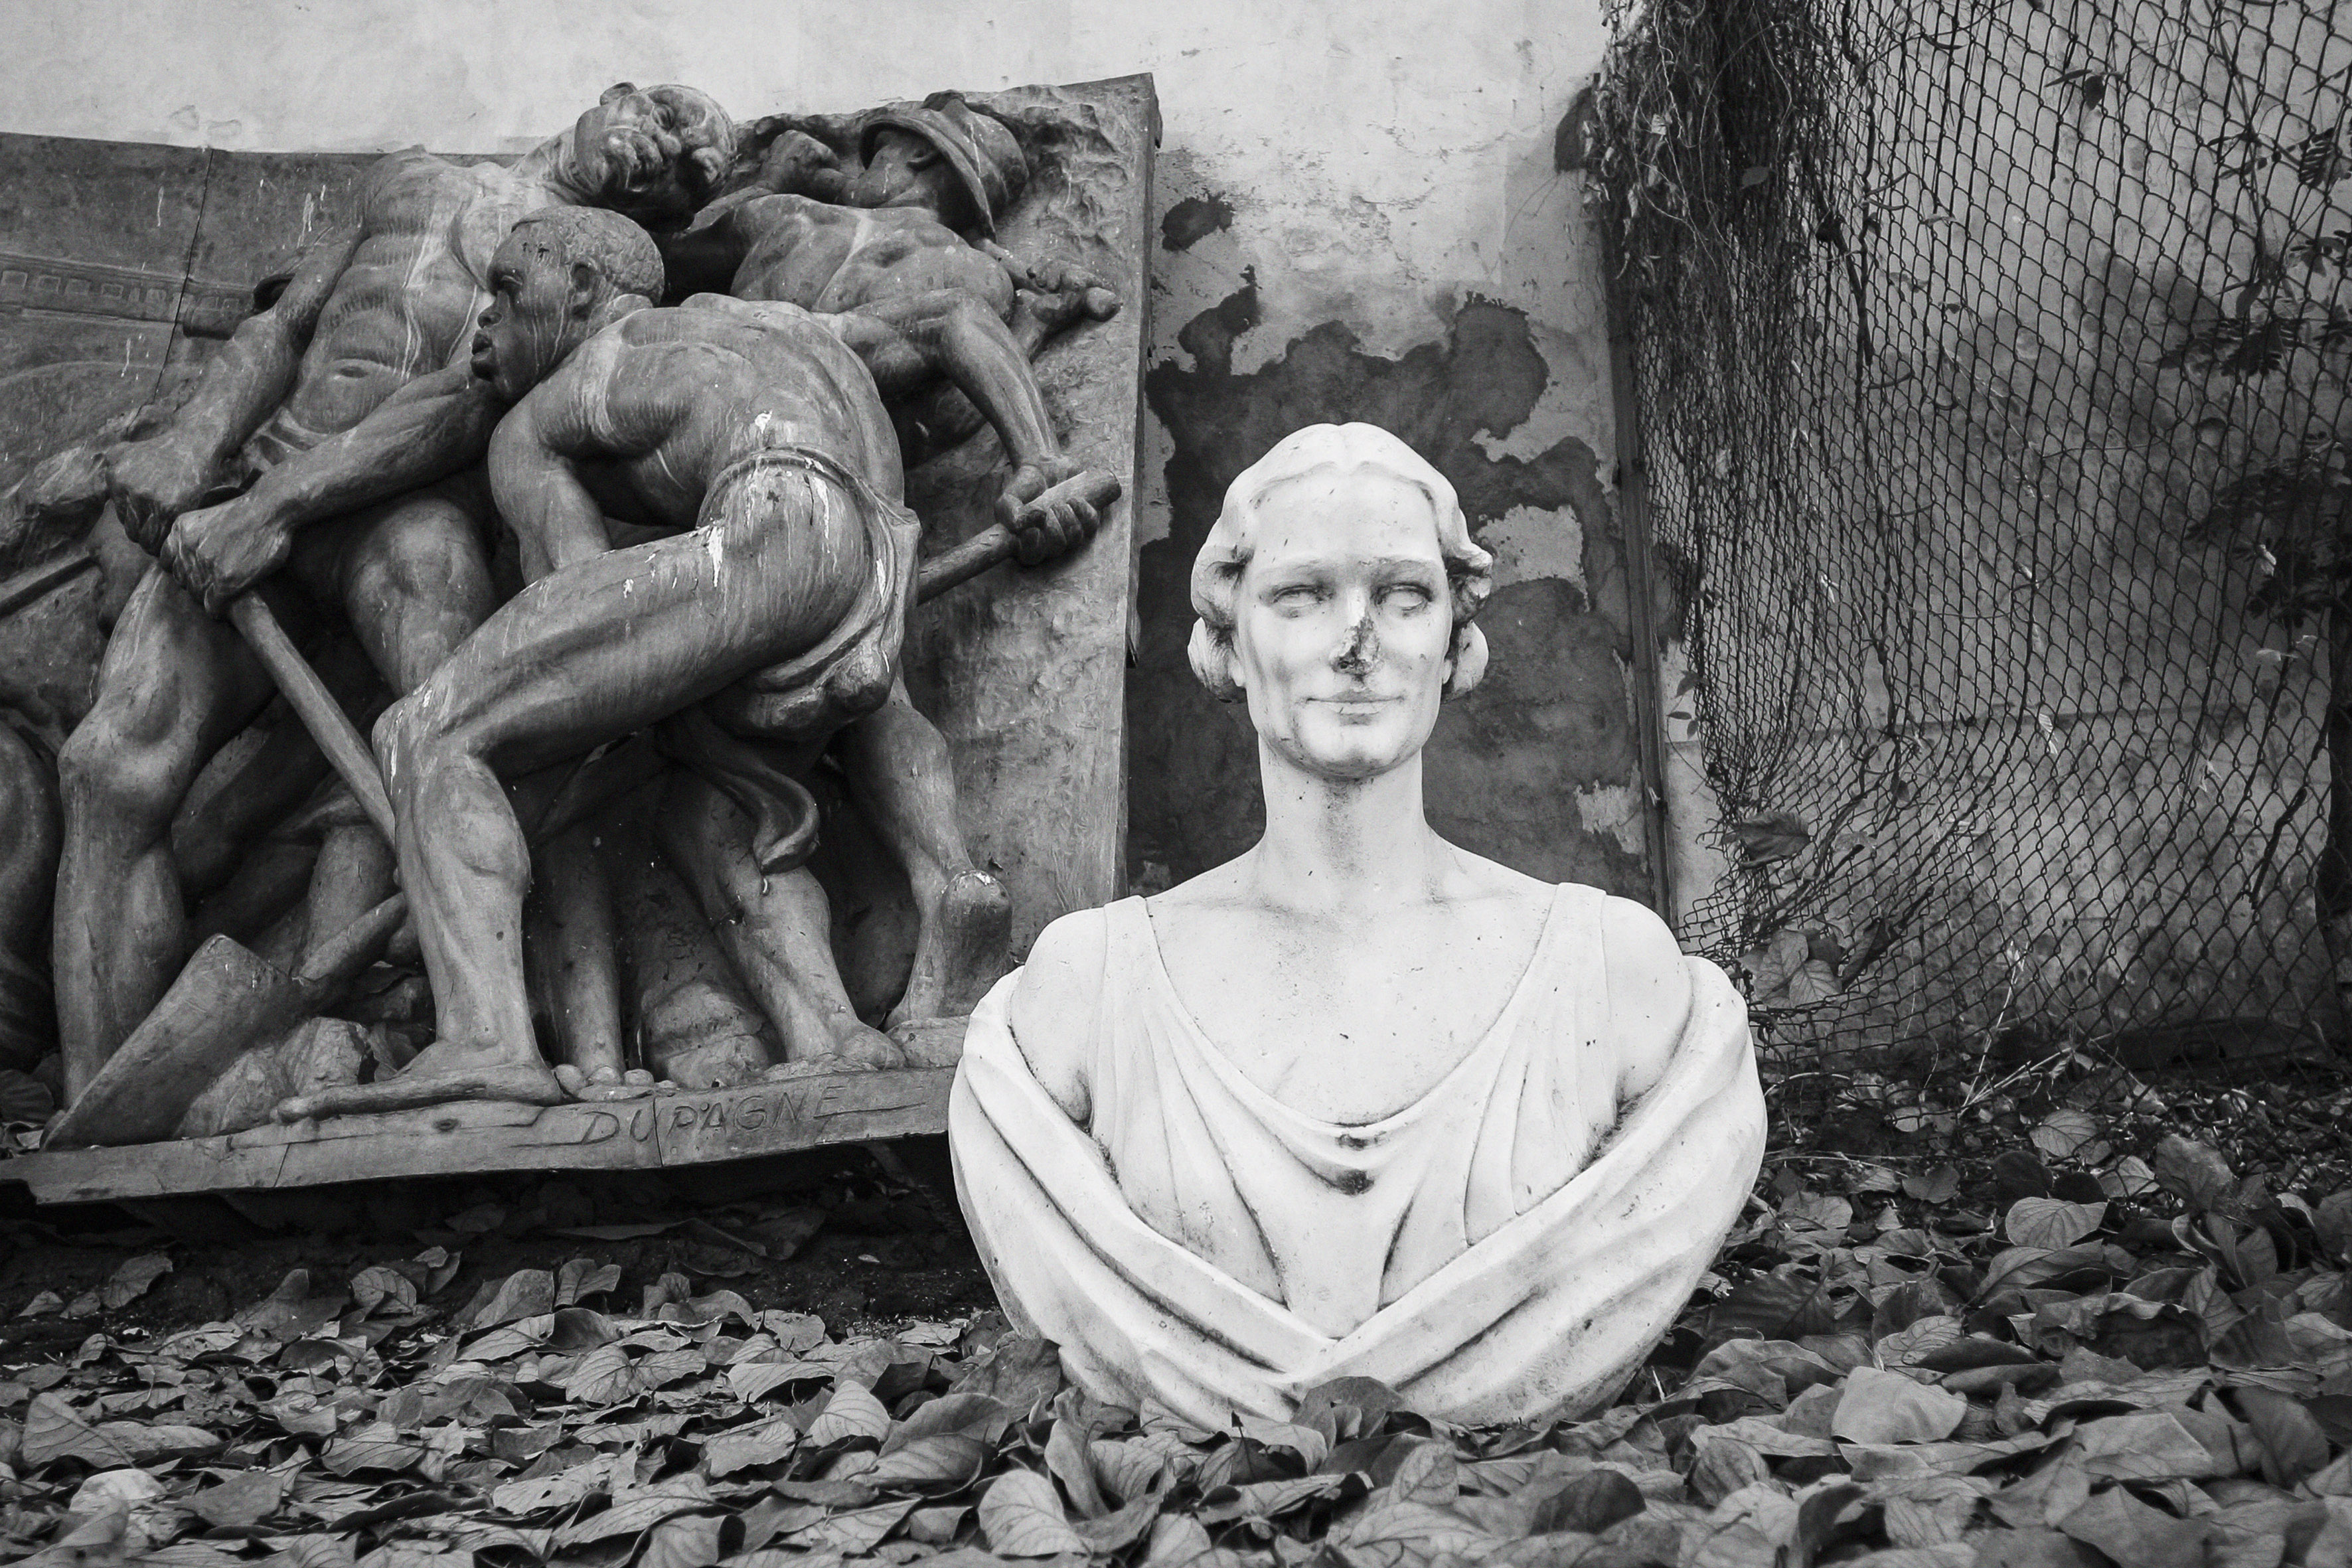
427, 430
158, 478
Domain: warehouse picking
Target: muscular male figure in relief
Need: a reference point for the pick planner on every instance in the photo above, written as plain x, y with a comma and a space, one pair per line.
756, 434
886, 242
377, 320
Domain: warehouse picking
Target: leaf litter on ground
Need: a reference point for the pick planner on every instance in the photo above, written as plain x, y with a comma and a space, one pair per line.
2064, 1359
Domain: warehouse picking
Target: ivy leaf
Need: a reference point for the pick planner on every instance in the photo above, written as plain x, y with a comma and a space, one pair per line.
131, 1281
664, 1368
1588, 1504
349, 1456
525, 1293
1020, 1516
742, 1447
943, 1462
1940, 1185
582, 1277
977, 1415
602, 1377
852, 1411
638, 1511
242, 1502
564, 1489
2145, 1446
510, 1340
752, 1381
53, 1431
1772, 837
372, 1287
683, 1541
2294, 1445
2051, 1223
856, 1531
1125, 1470
2070, 1135
2195, 1173
1412, 1531
1123, 1526
1270, 1500
2128, 1530
1880, 1407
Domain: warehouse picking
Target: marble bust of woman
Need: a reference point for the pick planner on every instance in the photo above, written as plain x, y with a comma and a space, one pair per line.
1358, 1103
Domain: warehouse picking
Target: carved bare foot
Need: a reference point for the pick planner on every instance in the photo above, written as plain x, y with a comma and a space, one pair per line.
440, 1073
961, 952
852, 1046
603, 1084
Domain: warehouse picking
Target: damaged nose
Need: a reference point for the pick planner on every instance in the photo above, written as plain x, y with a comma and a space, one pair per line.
1362, 646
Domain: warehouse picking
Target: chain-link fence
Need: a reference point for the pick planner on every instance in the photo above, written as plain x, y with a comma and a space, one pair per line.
1990, 379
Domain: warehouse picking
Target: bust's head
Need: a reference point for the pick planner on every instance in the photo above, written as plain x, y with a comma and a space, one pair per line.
1336, 593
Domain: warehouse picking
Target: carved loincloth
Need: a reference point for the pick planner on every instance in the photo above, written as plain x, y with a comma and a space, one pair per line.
850, 672
1496, 1251
802, 699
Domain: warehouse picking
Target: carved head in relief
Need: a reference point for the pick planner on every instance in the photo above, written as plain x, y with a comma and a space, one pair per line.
942, 154
1335, 595
655, 152
561, 276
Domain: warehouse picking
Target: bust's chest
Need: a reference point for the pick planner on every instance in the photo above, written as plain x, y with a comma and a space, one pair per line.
1348, 1025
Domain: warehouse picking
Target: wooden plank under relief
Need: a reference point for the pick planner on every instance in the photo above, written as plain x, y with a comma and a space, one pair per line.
800, 1114
624, 1135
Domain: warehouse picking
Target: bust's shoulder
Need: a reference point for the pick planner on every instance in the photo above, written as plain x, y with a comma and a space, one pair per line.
1075, 941
1633, 935
1649, 990
1052, 1014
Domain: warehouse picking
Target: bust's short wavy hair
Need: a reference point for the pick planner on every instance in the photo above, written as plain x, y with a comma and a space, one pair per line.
1336, 450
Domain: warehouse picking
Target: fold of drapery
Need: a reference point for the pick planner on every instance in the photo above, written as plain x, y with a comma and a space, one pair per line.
1546, 1316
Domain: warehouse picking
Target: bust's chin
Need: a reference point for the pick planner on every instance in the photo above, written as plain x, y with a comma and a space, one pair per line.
1345, 745
1338, 762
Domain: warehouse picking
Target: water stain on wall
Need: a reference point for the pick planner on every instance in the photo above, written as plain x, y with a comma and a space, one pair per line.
1192, 220
1552, 719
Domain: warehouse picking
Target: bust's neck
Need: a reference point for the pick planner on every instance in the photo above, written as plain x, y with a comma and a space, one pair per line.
1355, 846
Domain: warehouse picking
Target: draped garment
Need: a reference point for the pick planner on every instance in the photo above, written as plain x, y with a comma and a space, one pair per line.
1506, 1248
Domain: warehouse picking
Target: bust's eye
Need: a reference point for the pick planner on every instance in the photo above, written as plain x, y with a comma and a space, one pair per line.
1295, 595
1408, 595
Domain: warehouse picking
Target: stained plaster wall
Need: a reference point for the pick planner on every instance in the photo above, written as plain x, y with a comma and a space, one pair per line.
1360, 218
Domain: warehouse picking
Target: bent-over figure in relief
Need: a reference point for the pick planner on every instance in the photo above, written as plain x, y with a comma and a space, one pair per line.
1359, 1103
345, 419
886, 242
755, 434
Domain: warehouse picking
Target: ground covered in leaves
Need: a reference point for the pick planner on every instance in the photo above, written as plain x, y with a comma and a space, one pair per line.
2065, 1355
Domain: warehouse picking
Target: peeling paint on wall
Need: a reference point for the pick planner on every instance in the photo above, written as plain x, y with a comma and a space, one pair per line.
1193, 219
